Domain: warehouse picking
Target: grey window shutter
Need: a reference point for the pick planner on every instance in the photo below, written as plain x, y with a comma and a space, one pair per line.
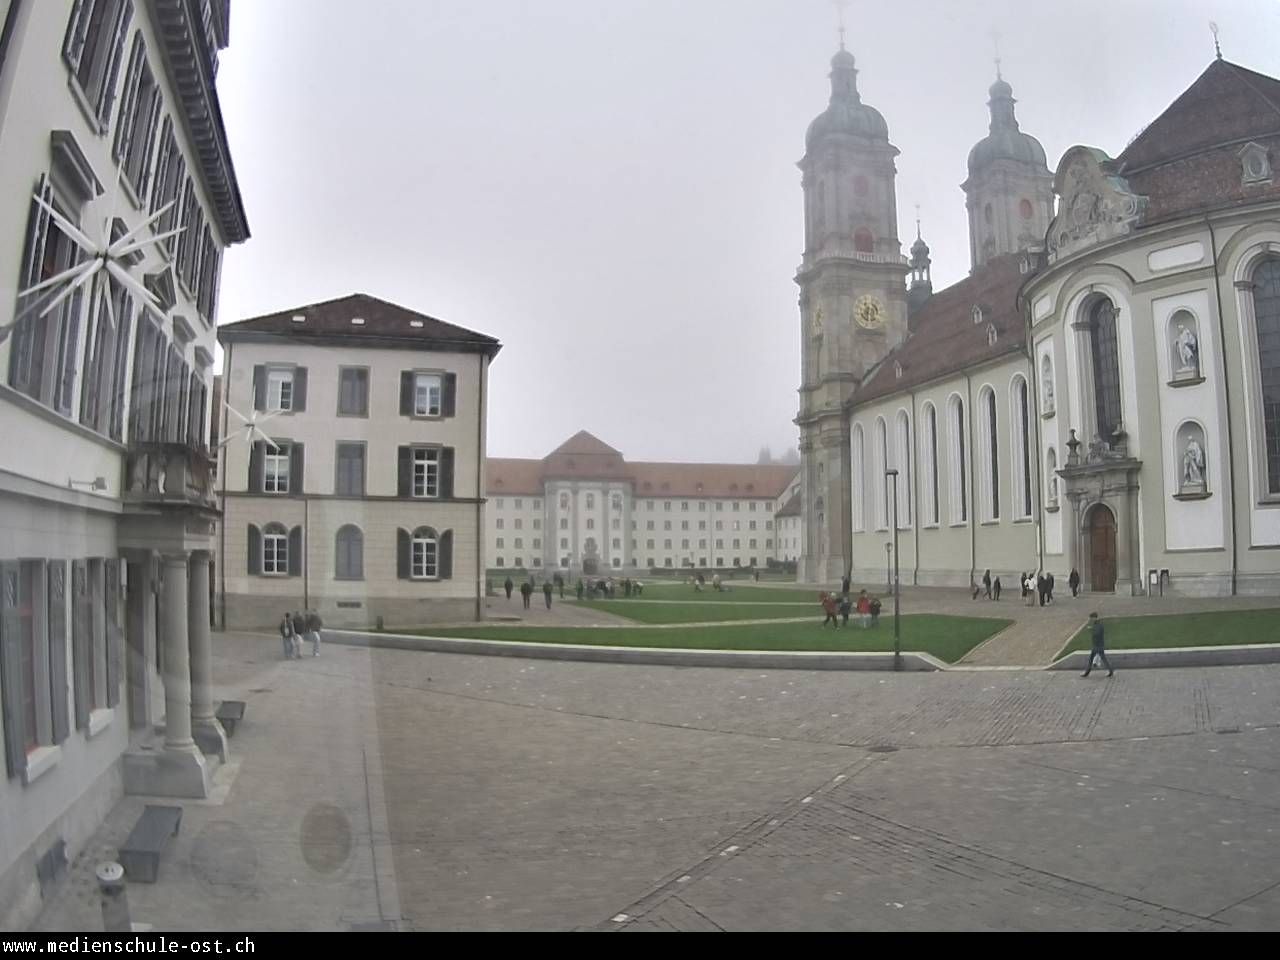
297, 463
404, 472
446, 473
362, 392
254, 564
115, 636
121, 30
300, 389
406, 393
295, 552
259, 387
446, 555
449, 402
402, 554
58, 690
256, 467
81, 640
356, 556
15, 738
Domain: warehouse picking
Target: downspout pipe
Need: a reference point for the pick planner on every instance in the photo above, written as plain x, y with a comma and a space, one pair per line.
1226, 389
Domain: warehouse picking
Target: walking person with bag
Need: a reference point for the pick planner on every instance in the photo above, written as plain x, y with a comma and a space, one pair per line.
1097, 647
286, 635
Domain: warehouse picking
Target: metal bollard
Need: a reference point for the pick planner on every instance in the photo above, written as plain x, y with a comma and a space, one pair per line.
115, 898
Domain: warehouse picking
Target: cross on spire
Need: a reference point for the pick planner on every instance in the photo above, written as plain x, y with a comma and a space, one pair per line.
918, 237
841, 6
995, 42
1217, 46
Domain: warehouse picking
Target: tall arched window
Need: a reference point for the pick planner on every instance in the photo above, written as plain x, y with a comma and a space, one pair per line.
989, 434
958, 472
880, 462
930, 456
1020, 406
863, 240
1266, 309
857, 478
1106, 368
903, 458
275, 549
349, 553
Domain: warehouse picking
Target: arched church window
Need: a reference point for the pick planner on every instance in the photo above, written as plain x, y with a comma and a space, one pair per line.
864, 241
931, 463
959, 467
881, 464
990, 454
1025, 210
857, 473
903, 458
1021, 448
1266, 309
1106, 368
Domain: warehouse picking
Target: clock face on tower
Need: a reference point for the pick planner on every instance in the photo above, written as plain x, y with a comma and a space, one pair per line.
869, 312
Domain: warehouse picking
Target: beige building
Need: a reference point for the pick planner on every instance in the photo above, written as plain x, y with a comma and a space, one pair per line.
109, 117
365, 499
1101, 393
586, 509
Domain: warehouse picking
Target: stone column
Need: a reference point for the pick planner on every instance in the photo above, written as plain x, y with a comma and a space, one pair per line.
205, 729
140, 631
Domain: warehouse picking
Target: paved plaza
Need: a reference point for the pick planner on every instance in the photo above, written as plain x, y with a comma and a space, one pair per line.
383, 789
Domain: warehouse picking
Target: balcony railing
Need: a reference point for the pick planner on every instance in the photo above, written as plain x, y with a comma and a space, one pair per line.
169, 473
840, 251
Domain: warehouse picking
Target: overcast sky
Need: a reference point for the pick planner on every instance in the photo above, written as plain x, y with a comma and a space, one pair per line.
609, 186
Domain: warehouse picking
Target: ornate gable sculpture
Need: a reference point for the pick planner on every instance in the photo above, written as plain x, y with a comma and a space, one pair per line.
1095, 203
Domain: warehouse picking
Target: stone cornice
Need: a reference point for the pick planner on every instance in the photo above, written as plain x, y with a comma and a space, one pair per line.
190, 66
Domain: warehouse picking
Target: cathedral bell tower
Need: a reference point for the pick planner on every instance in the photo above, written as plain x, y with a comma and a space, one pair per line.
853, 301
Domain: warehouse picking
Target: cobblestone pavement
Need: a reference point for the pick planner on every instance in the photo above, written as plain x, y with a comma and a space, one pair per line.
485, 793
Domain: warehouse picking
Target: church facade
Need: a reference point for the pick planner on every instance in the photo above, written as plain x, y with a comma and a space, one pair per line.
1102, 392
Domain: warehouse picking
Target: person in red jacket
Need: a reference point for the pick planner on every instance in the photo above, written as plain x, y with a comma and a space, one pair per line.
830, 608
864, 609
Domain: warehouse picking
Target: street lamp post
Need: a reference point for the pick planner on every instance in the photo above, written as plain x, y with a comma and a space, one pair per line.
892, 478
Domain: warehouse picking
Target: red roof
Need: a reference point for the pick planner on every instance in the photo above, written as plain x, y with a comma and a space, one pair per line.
946, 339
1188, 159
586, 457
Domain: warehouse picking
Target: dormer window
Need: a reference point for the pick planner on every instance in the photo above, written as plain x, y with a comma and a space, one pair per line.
897, 370
977, 315
992, 335
357, 321
1256, 164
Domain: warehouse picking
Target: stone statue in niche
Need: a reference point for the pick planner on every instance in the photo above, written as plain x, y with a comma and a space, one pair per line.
1048, 393
1053, 489
1187, 347
1193, 467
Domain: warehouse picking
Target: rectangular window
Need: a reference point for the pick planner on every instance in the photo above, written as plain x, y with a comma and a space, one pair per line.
537, 543
617, 543
519, 524
519, 504
666, 506
537, 504
275, 472
719, 506
424, 559
737, 524
702, 506
702, 544
93, 48
719, 524
752, 543
500, 543
737, 544
498, 523
684, 544
349, 481
427, 390
498, 503
275, 553
280, 390
426, 473
719, 546
616, 524
649, 544
537, 524
768, 508
684, 506
353, 392
591, 523
564, 543
666, 544
519, 544
752, 506
737, 505
139, 114
564, 523
684, 524
617, 502
591, 501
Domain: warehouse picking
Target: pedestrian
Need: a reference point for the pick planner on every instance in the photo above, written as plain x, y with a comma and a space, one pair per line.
286, 635
299, 628
830, 609
845, 584
995, 589
1074, 582
1040, 588
314, 623
986, 584
977, 590
846, 605
581, 589
526, 591
1022, 584
874, 609
1097, 647
508, 586
546, 592
560, 585
639, 588
1029, 590
864, 610
757, 576
1049, 586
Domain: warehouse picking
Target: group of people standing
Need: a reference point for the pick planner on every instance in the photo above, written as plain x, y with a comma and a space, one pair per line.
867, 607
1035, 585
589, 589
297, 627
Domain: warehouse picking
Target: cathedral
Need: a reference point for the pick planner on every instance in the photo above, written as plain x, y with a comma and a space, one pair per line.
1101, 393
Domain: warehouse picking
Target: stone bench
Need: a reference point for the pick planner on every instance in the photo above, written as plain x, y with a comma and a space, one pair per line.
230, 712
140, 855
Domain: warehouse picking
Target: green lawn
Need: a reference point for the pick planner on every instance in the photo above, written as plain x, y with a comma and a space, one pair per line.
948, 638
1185, 630
643, 611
